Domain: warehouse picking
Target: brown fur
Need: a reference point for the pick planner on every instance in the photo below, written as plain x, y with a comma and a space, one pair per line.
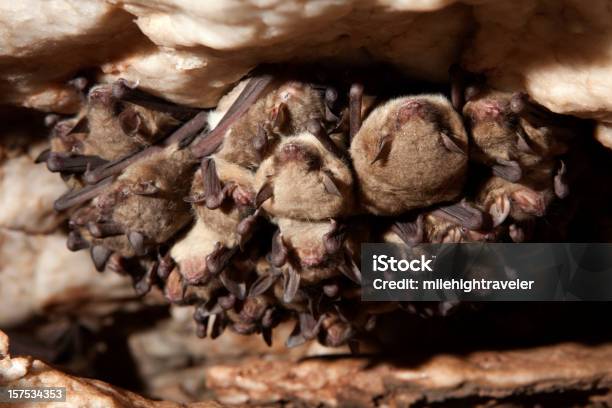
102, 134
418, 169
528, 199
494, 130
296, 172
190, 252
158, 216
303, 103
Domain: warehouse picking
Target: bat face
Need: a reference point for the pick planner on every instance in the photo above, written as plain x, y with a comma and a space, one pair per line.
305, 181
510, 138
144, 207
305, 240
189, 253
117, 128
493, 127
284, 111
105, 129
399, 150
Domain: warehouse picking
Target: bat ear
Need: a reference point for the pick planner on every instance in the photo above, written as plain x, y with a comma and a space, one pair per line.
130, 121
523, 142
279, 118
291, 284
450, 144
334, 238
279, 252
560, 184
500, 209
265, 192
330, 185
384, 144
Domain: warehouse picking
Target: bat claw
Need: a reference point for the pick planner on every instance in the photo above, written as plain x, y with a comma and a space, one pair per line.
560, 185
99, 256
279, 251
291, 284
195, 199
76, 242
246, 228
219, 258
213, 187
137, 241
500, 210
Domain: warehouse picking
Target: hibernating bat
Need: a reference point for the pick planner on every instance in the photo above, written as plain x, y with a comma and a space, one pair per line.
410, 152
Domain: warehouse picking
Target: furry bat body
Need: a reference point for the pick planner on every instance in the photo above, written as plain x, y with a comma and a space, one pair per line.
410, 153
283, 111
304, 180
107, 129
508, 138
525, 200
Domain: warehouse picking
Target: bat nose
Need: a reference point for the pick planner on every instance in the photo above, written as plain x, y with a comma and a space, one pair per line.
409, 110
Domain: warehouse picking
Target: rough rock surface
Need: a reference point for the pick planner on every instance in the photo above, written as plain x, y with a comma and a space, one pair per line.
489, 378
190, 51
80, 392
172, 361
38, 273
484, 378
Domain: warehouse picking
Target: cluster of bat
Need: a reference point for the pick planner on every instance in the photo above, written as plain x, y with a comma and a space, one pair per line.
254, 212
